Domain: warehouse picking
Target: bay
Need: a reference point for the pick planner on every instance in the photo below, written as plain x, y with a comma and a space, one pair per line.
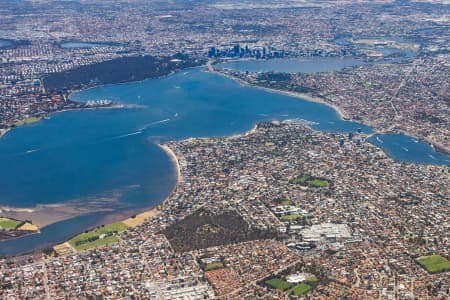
95, 154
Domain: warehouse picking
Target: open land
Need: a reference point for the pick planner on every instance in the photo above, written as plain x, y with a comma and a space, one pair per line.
434, 263
12, 228
103, 235
45, 214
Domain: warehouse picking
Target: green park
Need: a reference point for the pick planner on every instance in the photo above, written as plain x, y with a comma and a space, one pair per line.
310, 181
434, 263
9, 224
97, 237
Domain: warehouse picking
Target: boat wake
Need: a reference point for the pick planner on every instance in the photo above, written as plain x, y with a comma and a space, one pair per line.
379, 140
128, 134
404, 148
154, 123
32, 151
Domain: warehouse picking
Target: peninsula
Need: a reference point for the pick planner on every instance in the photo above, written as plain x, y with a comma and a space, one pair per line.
258, 179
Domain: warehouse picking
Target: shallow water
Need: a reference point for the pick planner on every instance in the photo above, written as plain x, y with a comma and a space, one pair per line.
81, 155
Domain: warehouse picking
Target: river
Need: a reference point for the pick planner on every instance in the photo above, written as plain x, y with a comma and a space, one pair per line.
84, 156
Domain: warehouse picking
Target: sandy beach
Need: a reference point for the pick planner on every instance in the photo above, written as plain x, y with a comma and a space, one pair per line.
302, 96
136, 220
3, 132
174, 160
44, 215
247, 133
142, 216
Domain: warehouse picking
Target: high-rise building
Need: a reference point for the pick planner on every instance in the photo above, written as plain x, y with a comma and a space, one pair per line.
236, 50
212, 52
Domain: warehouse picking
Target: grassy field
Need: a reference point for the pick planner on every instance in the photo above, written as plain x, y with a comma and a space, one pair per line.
434, 263
300, 289
311, 279
285, 202
91, 239
213, 266
97, 243
9, 224
279, 284
290, 218
317, 183
311, 182
27, 121
301, 179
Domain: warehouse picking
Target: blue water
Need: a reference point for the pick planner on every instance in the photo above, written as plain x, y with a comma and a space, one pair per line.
406, 148
81, 156
5, 43
301, 65
49, 235
344, 40
74, 45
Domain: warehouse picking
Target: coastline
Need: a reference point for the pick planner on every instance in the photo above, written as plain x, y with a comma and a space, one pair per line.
339, 111
43, 215
150, 212
3, 132
302, 96
116, 105
128, 82
342, 115
247, 133
438, 147
175, 162
24, 228
139, 218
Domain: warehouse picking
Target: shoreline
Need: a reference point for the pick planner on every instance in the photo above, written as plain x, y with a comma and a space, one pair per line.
437, 147
114, 105
244, 134
72, 92
302, 96
175, 162
155, 209
25, 228
3, 132
146, 214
